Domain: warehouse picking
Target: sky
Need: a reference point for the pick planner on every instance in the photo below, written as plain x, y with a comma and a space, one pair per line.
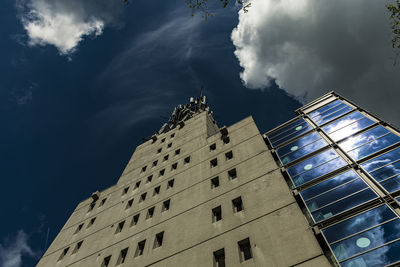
83, 81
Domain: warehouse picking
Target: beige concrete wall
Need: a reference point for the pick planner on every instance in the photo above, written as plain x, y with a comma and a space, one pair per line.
278, 231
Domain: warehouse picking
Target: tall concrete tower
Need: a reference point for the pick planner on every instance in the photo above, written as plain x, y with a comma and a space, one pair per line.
319, 190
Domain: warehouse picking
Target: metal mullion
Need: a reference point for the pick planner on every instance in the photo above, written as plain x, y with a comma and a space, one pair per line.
372, 249
367, 142
302, 147
318, 101
327, 191
365, 230
347, 196
384, 165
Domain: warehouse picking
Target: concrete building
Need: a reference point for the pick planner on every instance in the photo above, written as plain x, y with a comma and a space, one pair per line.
319, 190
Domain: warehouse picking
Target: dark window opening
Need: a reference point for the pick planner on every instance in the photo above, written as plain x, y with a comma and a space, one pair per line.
129, 204
237, 204
161, 173
140, 248
156, 190
215, 182
91, 222
77, 247
169, 145
79, 228
166, 205
177, 152
170, 183
91, 207
125, 190
166, 157
65, 251
229, 155
144, 168
120, 227
137, 185
174, 166
163, 140
219, 258
103, 201
106, 261
216, 214
122, 256
135, 220
245, 249
173, 135
159, 150
226, 140
232, 174
213, 147
187, 160
150, 213
149, 179
158, 240
155, 163
213, 162
142, 197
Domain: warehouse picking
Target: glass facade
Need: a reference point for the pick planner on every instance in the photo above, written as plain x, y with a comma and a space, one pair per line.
344, 165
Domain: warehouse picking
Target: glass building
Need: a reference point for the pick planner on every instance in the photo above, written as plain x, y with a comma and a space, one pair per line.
343, 166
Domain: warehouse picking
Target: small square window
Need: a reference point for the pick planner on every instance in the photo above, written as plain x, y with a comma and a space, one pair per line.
166, 157
137, 185
106, 261
77, 247
142, 197
91, 222
150, 213
226, 140
149, 179
173, 135
170, 184
232, 174
140, 248
155, 163
237, 204
174, 166
161, 173
156, 190
129, 204
158, 240
135, 219
103, 201
169, 145
166, 205
213, 147
159, 150
213, 162
177, 152
163, 140
215, 182
91, 206
125, 191
120, 227
216, 214
144, 168
186, 160
219, 258
78, 228
122, 256
65, 251
245, 250
228, 155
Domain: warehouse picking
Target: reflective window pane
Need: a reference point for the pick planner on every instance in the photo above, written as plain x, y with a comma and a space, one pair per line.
329, 184
324, 109
300, 147
384, 167
358, 223
379, 257
344, 204
369, 142
342, 109
289, 132
346, 126
315, 167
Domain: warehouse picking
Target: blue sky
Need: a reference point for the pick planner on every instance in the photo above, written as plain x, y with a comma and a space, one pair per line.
83, 81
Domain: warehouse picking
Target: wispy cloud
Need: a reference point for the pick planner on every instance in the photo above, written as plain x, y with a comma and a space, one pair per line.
14, 248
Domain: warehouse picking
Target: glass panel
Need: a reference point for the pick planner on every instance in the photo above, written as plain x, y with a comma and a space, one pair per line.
315, 167
324, 108
343, 109
329, 184
358, 223
343, 205
346, 126
289, 132
379, 257
367, 240
301, 147
382, 160
369, 142
392, 184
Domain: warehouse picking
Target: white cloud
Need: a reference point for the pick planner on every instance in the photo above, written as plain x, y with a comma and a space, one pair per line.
309, 47
11, 251
59, 27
